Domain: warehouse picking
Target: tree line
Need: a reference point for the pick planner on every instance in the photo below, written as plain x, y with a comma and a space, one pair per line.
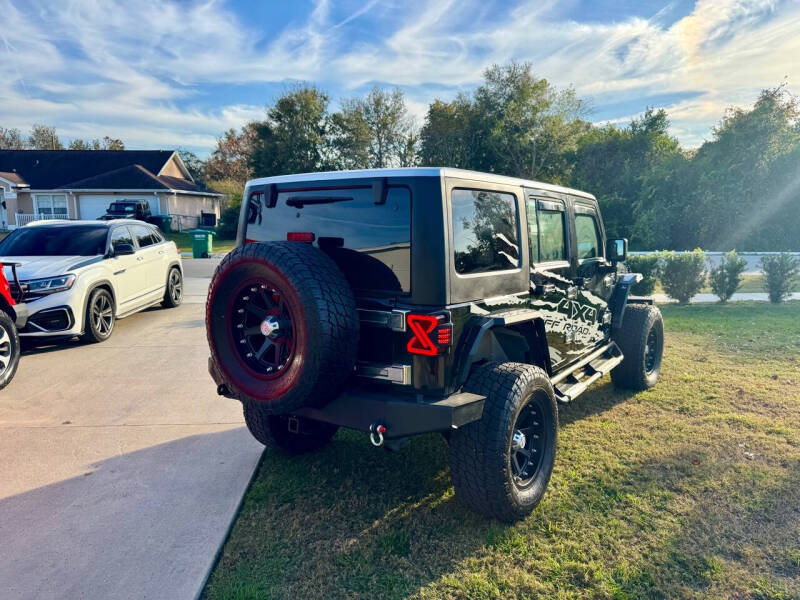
739, 190
45, 137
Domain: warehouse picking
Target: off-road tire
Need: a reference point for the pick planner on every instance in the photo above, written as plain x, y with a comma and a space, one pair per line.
325, 325
9, 349
274, 430
480, 453
92, 333
173, 292
638, 323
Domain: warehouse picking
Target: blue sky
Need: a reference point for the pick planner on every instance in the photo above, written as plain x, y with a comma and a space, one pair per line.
169, 73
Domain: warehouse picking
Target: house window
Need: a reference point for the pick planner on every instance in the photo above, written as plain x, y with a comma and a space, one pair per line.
51, 205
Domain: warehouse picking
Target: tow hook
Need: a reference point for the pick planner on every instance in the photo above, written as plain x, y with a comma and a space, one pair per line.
376, 431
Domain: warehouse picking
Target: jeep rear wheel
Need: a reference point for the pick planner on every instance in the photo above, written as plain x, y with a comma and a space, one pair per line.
641, 339
501, 464
294, 435
9, 349
282, 326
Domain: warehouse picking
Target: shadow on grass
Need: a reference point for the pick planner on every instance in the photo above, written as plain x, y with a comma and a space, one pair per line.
374, 523
683, 521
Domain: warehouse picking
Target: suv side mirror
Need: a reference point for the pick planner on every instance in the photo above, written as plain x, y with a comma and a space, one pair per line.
617, 250
123, 249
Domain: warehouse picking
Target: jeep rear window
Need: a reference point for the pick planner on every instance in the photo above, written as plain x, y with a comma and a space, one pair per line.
485, 227
371, 243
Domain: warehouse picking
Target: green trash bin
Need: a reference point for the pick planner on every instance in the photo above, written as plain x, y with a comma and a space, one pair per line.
201, 243
166, 223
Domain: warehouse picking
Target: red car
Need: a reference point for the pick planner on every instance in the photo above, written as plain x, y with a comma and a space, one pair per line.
12, 315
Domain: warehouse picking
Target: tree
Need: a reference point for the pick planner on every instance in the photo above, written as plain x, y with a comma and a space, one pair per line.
737, 167
43, 137
293, 139
230, 159
193, 164
514, 124
447, 137
11, 139
781, 274
726, 277
107, 143
623, 167
373, 132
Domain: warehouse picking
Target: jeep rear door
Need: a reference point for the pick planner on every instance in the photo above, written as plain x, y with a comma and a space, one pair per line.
552, 290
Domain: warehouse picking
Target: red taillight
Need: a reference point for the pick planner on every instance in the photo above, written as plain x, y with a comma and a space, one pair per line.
300, 236
429, 337
249, 241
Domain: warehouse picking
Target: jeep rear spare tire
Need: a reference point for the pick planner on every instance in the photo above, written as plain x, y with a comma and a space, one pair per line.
282, 326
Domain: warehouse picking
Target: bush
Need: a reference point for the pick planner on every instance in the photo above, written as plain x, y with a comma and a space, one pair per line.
683, 275
781, 272
726, 277
649, 266
229, 219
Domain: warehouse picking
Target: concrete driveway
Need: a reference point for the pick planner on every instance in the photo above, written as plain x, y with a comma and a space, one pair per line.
121, 469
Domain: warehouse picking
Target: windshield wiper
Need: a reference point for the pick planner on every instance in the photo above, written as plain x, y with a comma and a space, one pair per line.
301, 201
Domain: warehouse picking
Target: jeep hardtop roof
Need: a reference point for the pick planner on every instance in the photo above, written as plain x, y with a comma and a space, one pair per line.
418, 172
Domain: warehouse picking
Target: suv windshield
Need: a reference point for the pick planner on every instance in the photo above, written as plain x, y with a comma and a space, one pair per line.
371, 243
45, 240
118, 207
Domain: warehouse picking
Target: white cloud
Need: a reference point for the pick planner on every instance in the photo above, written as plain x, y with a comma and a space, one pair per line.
129, 68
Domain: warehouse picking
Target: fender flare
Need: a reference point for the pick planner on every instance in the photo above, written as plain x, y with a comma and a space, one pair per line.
619, 298
530, 324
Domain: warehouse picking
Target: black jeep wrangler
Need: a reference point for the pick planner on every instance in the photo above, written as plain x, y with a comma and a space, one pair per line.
406, 301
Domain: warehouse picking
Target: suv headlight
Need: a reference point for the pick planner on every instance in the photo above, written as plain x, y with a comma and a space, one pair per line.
50, 285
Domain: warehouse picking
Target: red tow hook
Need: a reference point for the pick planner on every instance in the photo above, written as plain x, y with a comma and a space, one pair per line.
377, 429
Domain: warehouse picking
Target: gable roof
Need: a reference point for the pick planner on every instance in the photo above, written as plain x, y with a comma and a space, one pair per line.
13, 178
95, 169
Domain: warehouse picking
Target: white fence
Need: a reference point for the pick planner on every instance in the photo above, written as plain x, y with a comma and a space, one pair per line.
21, 219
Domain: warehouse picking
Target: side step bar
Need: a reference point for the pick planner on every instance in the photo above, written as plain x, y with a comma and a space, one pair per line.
572, 383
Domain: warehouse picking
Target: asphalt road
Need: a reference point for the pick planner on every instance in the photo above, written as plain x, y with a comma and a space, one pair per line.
120, 467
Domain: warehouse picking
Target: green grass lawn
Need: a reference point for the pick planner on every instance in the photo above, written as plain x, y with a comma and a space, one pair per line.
184, 242
688, 490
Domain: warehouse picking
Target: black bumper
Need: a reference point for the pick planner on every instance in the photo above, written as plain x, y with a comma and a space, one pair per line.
362, 406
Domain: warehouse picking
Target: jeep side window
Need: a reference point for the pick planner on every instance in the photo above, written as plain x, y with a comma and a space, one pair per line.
588, 236
551, 235
485, 226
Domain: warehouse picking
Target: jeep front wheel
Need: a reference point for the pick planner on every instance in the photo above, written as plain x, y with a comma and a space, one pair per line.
501, 464
282, 326
293, 435
641, 339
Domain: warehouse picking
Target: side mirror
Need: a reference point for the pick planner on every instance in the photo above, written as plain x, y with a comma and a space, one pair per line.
123, 249
617, 250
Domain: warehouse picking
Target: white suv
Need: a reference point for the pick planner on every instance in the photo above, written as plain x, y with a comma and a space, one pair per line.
78, 277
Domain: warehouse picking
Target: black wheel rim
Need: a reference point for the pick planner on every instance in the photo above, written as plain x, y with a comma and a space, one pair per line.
263, 329
102, 315
651, 351
528, 442
5, 350
175, 286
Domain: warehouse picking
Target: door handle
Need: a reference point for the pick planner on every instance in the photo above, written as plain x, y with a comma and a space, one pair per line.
140, 258
544, 289
162, 252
